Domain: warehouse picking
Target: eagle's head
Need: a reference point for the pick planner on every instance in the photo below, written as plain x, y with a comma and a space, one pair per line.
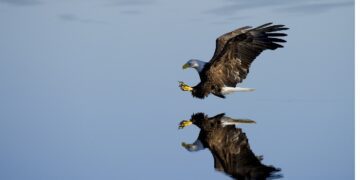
194, 63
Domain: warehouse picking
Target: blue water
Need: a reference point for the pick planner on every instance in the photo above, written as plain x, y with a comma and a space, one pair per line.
89, 88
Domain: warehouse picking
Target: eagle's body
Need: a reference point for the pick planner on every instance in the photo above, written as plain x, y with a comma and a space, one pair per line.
229, 146
234, 53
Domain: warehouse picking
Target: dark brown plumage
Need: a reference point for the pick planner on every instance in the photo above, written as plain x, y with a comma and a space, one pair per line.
234, 53
229, 147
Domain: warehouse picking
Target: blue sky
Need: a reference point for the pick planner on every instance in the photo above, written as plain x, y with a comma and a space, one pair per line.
89, 88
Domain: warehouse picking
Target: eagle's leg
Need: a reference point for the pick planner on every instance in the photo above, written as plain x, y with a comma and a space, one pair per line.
184, 86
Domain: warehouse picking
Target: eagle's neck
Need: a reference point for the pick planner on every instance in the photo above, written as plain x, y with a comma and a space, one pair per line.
201, 65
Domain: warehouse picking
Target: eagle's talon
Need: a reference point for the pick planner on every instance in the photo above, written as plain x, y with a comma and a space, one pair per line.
184, 86
184, 123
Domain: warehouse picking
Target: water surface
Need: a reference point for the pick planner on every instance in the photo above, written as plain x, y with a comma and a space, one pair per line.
89, 88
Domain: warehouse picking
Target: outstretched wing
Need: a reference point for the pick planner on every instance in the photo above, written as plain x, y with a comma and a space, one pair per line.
221, 41
236, 51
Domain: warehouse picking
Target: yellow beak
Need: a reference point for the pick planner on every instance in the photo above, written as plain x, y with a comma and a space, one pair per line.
185, 66
185, 123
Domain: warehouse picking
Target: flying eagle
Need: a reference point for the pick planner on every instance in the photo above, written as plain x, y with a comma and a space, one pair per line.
229, 147
234, 53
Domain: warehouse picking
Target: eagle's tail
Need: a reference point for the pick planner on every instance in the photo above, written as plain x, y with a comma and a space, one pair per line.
228, 90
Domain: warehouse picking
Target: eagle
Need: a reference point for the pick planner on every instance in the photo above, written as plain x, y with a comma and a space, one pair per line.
229, 147
234, 53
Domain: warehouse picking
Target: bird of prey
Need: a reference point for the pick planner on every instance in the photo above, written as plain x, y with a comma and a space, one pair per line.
234, 53
229, 147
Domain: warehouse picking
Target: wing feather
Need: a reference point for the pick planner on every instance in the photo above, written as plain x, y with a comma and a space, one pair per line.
236, 50
223, 39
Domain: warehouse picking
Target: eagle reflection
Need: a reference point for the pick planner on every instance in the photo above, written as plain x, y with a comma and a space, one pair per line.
229, 146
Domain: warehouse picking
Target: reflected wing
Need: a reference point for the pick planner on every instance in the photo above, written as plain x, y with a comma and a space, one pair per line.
236, 51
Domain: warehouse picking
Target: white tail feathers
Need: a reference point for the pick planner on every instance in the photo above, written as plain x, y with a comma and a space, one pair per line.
228, 121
228, 90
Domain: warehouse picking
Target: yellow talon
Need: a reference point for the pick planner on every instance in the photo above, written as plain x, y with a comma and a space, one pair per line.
184, 86
185, 123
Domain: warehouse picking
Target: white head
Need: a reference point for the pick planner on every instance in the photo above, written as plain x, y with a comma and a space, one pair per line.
196, 64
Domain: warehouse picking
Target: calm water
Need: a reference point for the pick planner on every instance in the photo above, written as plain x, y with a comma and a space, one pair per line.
89, 88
